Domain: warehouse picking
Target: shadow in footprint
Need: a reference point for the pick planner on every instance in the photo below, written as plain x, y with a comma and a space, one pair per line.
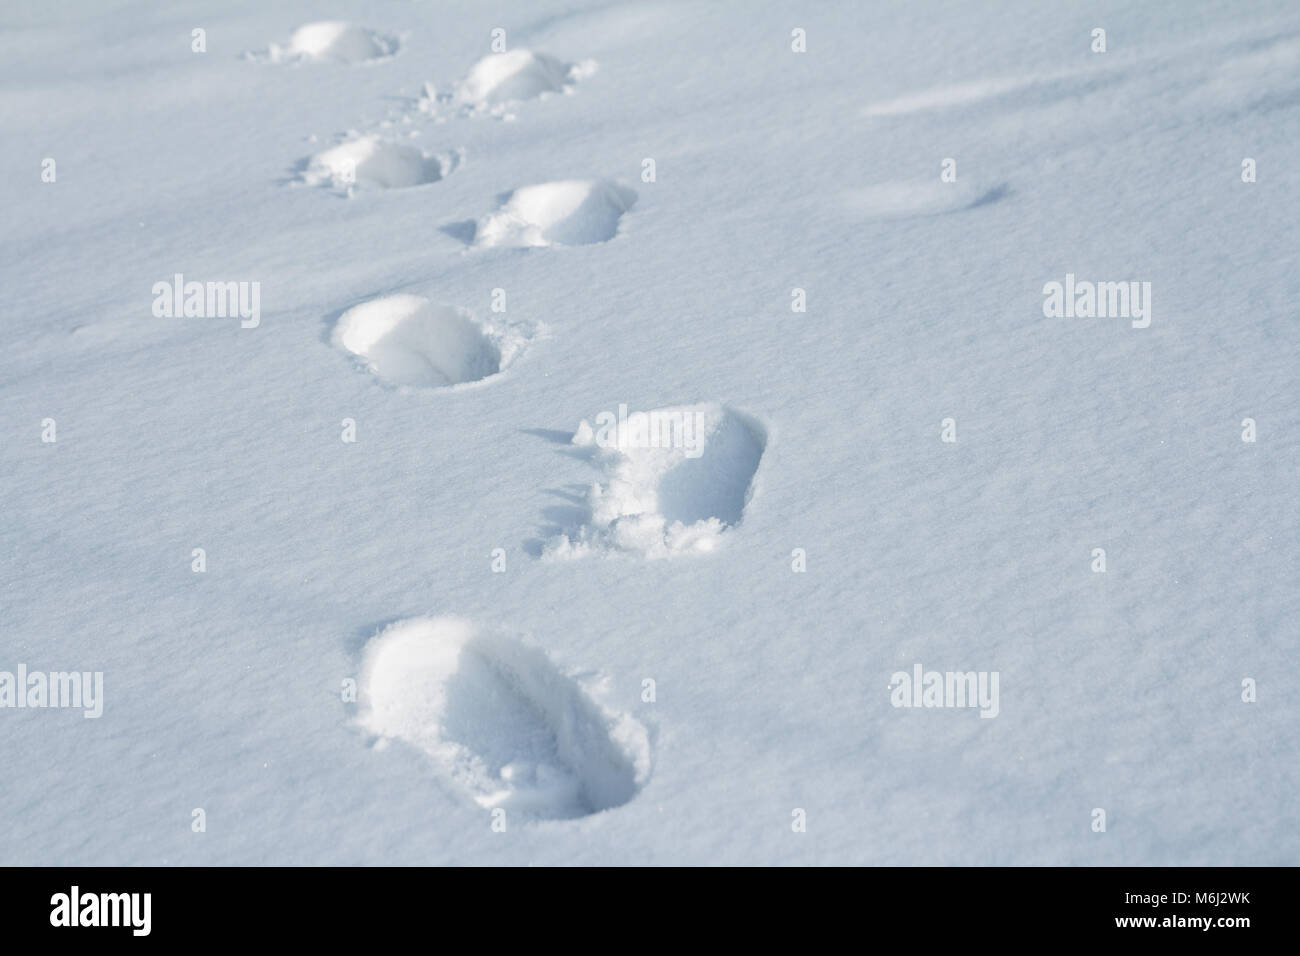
463, 231
560, 519
563, 517
296, 173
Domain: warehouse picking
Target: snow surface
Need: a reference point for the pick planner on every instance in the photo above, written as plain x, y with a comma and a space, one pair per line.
523, 689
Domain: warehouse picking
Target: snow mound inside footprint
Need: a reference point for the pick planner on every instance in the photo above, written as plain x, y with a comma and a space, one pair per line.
500, 722
571, 212
408, 341
676, 479
334, 41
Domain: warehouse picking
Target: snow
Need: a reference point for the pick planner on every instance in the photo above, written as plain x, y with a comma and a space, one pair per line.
677, 690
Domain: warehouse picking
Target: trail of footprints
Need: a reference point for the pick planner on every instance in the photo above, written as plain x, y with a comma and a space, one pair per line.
499, 721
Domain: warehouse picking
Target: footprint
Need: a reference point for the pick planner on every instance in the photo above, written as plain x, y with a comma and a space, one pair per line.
373, 161
901, 200
407, 340
499, 720
568, 213
675, 480
500, 79
334, 40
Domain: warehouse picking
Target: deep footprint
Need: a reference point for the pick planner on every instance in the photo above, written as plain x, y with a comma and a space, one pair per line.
568, 213
407, 340
677, 498
499, 721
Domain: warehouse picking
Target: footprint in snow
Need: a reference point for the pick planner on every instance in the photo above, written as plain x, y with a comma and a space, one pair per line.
675, 480
411, 342
374, 162
499, 721
332, 41
500, 80
571, 212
